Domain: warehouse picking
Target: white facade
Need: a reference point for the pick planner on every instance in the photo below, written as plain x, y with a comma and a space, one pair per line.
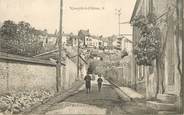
93, 42
126, 44
105, 44
52, 40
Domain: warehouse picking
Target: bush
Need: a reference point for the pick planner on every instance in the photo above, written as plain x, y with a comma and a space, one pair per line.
16, 102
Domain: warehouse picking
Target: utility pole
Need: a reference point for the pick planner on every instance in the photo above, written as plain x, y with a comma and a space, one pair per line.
58, 69
181, 36
78, 54
118, 12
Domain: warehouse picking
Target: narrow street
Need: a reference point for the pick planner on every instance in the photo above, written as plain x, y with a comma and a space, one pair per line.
106, 102
50, 51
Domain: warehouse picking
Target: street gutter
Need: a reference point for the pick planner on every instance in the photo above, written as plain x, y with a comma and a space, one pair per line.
121, 93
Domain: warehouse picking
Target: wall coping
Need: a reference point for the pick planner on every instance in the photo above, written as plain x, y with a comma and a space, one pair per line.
17, 58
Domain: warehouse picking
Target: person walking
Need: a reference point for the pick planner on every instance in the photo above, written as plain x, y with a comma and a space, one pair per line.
88, 83
99, 80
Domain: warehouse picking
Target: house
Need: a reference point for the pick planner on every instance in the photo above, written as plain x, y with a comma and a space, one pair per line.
93, 42
83, 34
126, 45
122, 43
73, 41
117, 43
51, 40
65, 37
162, 77
105, 43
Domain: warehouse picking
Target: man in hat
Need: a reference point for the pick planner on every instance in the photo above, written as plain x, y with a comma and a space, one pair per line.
88, 83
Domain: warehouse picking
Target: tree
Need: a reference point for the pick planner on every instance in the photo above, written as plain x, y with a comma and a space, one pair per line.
8, 35
21, 38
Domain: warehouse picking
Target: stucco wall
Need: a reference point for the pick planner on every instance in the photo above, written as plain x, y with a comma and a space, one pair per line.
71, 73
168, 30
172, 76
121, 74
19, 75
17, 72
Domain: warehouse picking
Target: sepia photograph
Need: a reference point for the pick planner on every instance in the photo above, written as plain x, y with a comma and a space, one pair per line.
91, 57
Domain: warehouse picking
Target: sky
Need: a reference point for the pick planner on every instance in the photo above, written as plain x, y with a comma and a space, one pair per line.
99, 16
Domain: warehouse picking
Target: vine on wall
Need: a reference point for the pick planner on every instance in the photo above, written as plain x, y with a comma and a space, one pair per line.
147, 48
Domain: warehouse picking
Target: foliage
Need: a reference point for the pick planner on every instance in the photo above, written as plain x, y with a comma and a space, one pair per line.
16, 102
147, 48
21, 38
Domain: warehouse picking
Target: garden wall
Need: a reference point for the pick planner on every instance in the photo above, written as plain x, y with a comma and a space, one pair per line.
17, 72
121, 75
71, 73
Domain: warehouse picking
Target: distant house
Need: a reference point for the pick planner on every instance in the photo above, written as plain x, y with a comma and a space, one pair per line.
126, 45
117, 43
82, 34
122, 43
73, 41
51, 40
65, 37
105, 43
93, 42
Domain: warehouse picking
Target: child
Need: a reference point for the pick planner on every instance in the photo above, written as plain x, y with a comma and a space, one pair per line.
99, 83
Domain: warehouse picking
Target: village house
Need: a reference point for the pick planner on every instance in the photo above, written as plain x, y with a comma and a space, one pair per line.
117, 43
94, 42
105, 43
83, 34
52, 39
73, 41
122, 43
126, 45
162, 78
91, 41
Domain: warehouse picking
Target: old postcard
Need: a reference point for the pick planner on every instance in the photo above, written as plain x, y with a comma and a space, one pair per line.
91, 57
